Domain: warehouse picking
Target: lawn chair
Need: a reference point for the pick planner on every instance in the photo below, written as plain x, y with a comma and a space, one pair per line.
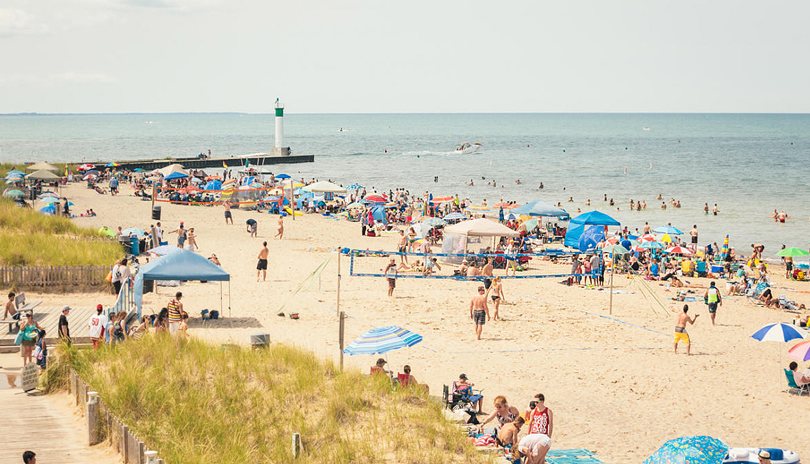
701, 268
454, 399
804, 389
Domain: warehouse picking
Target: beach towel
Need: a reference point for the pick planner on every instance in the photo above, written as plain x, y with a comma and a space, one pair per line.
485, 440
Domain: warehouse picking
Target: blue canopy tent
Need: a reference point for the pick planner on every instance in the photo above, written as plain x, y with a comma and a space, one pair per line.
175, 175
182, 265
541, 208
577, 227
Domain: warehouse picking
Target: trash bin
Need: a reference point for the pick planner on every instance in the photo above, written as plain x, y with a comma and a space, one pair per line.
156, 212
134, 246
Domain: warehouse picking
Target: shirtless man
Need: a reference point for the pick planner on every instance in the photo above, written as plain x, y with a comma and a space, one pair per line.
680, 329
280, 233
479, 311
486, 271
261, 267
694, 234
228, 218
647, 229
402, 247
508, 436
11, 308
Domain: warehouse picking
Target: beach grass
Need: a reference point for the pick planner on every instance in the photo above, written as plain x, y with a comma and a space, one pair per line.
30, 238
195, 402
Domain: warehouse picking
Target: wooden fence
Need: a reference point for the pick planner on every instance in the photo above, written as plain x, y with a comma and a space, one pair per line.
108, 426
53, 278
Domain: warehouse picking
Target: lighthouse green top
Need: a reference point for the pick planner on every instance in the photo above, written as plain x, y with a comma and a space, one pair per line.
279, 112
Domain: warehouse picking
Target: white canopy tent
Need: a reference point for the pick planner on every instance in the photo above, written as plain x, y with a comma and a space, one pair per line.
457, 237
165, 171
324, 187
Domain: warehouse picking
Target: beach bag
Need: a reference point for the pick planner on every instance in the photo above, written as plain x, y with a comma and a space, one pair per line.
19, 339
109, 277
37, 353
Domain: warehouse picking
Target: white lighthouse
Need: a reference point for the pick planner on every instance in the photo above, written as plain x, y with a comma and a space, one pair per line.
279, 149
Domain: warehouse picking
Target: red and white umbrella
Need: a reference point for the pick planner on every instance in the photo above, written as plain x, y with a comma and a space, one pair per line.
85, 167
375, 198
679, 250
647, 238
613, 240
441, 199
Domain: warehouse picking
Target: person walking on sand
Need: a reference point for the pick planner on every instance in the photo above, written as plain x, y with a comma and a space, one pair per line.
391, 275
713, 299
497, 296
402, 246
175, 313
261, 267
228, 217
97, 324
63, 329
680, 329
479, 311
280, 233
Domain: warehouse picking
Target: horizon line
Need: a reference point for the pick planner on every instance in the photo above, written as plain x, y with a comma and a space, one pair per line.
169, 113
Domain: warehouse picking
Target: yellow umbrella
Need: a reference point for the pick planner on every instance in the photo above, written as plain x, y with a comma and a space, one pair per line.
666, 238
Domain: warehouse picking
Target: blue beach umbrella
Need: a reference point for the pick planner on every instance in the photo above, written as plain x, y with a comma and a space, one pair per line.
653, 246
452, 216
14, 193
777, 333
15, 172
176, 175
382, 340
213, 185
355, 186
138, 170
781, 333
282, 176
667, 230
48, 210
690, 450
540, 208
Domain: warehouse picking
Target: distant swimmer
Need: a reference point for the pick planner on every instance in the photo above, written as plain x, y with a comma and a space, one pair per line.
782, 216
663, 205
471, 183
340, 130
705, 208
541, 186
650, 166
715, 210
570, 199
660, 196
625, 171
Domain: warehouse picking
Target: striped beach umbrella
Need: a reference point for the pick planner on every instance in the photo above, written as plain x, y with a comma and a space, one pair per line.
800, 352
724, 249
781, 333
382, 340
679, 250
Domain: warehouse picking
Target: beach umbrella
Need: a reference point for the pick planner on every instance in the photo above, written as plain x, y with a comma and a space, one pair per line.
382, 340
375, 198
511, 217
781, 333
133, 230
800, 351
724, 249
453, 216
667, 230
355, 186
618, 249
90, 177
530, 224
85, 167
647, 238
138, 170
15, 172
505, 205
48, 210
679, 250
613, 240
112, 165
106, 231
666, 238
478, 208
777, 333
355, 205
282, 176
540, 208
213, 185
51, 201
652, 246
690, 450
441, 199
793, 252
13, 193
433, 222
214, 177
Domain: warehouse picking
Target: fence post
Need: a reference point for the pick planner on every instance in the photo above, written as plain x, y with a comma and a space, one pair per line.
92, 418
125, 444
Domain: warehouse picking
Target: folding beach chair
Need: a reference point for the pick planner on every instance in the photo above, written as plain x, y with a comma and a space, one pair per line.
804, 389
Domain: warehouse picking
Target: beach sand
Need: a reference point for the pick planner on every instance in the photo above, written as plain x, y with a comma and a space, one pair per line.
613, 383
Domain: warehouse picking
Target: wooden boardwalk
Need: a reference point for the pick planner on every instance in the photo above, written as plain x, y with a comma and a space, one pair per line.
47, 426
48, 318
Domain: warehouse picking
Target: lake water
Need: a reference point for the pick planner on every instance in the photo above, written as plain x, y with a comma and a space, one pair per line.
749, 164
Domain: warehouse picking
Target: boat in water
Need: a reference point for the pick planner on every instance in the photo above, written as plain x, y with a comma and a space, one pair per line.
466, 148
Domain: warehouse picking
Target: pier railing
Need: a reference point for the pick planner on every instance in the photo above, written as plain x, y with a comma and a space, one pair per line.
53, 278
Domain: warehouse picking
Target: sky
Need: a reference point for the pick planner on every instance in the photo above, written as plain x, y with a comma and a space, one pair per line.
416, 56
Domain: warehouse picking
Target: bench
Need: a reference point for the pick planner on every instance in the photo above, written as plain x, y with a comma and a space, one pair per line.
22, 307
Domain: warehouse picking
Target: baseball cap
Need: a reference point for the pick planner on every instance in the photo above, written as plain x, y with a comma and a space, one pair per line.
100, 307
65, 308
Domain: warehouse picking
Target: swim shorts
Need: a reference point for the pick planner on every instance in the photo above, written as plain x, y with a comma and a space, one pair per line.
712, 308
682, 337
227, 214
694, 239
403, 249
480, 317
392, 283
262, 266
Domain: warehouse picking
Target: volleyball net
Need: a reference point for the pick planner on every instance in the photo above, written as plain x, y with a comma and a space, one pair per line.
455, 266
263, 197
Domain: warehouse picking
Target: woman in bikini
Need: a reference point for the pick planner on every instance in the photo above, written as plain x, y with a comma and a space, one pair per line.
497, 296
503, 412
411, 239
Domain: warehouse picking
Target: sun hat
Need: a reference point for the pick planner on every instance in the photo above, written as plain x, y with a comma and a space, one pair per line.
764, 454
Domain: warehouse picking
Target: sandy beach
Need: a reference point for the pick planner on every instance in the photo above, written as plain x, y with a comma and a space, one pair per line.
613, 383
